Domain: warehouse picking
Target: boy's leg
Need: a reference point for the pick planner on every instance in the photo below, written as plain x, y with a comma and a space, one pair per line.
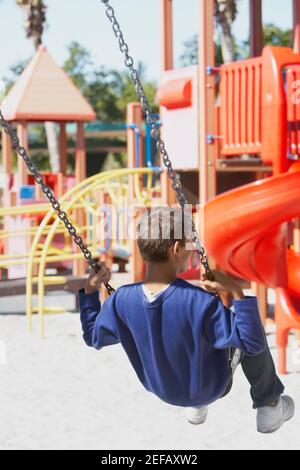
260, 372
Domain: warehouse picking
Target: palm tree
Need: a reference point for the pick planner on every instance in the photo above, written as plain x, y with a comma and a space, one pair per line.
225, 47
225, 14
35, 18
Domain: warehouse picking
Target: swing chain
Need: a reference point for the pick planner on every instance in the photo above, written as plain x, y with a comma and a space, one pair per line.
10, 131
155, 130
155, 133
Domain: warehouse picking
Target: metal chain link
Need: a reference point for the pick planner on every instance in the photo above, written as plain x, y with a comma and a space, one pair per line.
10, 131
155, 130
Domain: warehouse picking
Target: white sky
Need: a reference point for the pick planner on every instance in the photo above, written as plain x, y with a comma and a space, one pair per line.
85, 21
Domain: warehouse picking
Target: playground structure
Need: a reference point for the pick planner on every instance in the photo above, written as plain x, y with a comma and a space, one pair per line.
45, 93
251, 231
37, 249
88, 195
247, 142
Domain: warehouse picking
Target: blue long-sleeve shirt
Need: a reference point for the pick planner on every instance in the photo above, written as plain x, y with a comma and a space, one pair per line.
178, 343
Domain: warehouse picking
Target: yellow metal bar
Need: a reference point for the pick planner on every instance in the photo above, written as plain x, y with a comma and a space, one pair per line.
89, 207
145, 197
23, 256
38, 235
110, 191
51, 280
29, 209
32, 231
52, 310
15, 256
71, 199
34, 246
49, 238
24, 232
50, 259
149, 183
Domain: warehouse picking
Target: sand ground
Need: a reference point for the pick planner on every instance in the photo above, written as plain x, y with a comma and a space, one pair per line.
58, 394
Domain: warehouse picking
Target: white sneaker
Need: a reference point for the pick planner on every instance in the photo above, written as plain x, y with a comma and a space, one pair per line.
196, 415
271, 418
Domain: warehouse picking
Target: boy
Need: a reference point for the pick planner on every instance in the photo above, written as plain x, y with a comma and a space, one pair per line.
178, 336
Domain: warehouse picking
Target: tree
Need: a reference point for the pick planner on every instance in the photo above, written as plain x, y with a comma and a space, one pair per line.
190, 53
78, 64
226, 46
226, 49
225, 14
103, 96
125, 89
15, 71
108, 91
275, 36
35, 18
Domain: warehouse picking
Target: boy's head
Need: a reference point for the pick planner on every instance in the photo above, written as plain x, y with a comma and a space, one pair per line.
163, 234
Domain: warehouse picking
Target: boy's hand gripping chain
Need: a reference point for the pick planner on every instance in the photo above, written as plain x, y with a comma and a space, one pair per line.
50, 196
155, 130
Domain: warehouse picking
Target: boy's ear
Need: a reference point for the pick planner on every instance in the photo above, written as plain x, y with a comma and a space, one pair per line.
176, 248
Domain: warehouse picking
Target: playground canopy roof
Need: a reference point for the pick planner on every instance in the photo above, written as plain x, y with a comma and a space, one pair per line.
44, 92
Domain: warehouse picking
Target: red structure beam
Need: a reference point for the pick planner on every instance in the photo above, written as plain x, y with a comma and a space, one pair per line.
167, 34
206, 112
206, 57
256, 28
296, 24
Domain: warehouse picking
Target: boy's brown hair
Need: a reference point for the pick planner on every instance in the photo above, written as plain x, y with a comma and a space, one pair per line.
159, 229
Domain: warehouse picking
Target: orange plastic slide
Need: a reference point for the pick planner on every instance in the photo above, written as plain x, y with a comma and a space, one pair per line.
246, 233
